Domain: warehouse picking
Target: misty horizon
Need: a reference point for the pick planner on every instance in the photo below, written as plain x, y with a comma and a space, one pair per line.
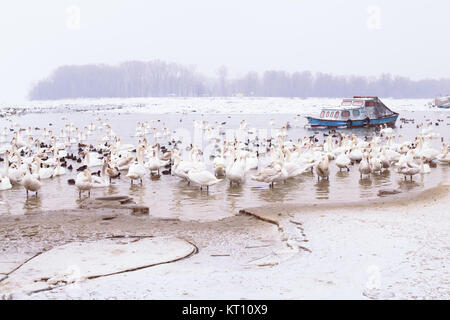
158, 78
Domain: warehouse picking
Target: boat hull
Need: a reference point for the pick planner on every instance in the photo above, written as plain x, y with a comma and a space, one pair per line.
317, 122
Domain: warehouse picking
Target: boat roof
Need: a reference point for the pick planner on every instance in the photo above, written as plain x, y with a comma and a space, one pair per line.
357, 98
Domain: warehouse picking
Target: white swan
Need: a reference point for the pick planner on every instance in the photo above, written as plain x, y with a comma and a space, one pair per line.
155, 163
30, 182
271, 174
92, 159
5, 183
102, 181
84, 182
424, 167
43, 173
236, 171
137, 169
322, 168
59, 171
409, 169
364, 166
343, 161
202, 177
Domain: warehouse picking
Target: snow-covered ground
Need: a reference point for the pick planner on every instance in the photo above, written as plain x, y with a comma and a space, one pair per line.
210, 105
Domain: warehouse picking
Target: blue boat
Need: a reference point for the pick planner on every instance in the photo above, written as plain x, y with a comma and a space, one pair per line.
442, 102
356, 112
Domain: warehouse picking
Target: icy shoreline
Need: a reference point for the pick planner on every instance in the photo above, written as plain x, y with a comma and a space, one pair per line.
393, 248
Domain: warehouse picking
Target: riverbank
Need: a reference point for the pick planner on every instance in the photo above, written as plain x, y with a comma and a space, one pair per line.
395, 247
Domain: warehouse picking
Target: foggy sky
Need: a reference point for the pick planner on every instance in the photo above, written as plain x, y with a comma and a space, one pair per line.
346, 37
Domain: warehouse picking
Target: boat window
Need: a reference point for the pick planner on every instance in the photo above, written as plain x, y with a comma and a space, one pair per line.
370, 103
347, 103
322, 114
336, 115
328, 114
356, 113
345, 114
357, 103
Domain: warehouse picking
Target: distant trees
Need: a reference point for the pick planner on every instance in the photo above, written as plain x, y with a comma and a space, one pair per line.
158, 79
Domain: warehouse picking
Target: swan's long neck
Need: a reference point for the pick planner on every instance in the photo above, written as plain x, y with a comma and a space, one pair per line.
103, 173
140, 155
38, 165
19, 159
6, 163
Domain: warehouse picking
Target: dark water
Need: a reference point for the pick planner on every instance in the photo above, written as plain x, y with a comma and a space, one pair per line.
171, 197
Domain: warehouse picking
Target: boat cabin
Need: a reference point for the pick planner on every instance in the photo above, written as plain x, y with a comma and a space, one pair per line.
357, 108
358, 111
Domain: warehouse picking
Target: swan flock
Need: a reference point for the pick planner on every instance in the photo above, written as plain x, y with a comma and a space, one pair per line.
30, 156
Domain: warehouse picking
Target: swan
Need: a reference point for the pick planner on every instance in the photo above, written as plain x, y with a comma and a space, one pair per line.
251, 162
386, 131
102, 181
84, 182
424, 167
58, 171
355, 155
343, 161
375, 164
5, 183
43, 173
91, 159
322, 168
219, 164
385, 162
155, 163
202, 177
270, 174
444, 157
13, 172
236, 171
409, 169
364, 166
137, 170
292, 167
30, 182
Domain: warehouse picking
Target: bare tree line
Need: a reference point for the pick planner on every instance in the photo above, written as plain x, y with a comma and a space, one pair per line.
159, 79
